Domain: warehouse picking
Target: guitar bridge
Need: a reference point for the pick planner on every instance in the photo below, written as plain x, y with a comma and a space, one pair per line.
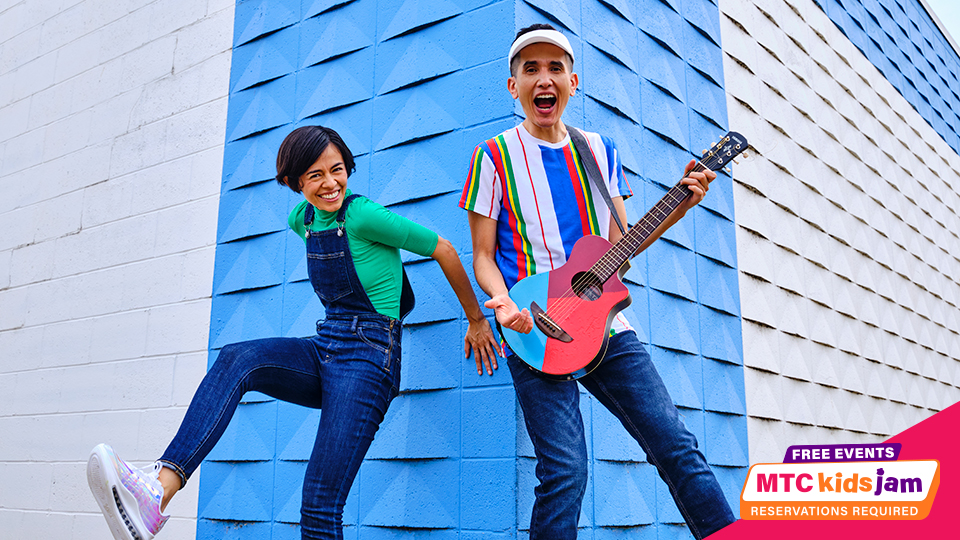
547, 325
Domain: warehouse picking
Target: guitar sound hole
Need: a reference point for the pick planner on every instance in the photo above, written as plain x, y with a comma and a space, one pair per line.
587, 286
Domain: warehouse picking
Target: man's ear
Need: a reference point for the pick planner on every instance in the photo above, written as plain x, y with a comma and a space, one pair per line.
512, 87
574, 82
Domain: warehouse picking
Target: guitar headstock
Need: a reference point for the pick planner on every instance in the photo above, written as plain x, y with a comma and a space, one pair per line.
721, 153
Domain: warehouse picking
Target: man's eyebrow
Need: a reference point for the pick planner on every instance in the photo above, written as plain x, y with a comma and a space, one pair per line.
552, 63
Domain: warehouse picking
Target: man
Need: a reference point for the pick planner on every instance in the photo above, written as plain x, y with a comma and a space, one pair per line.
527, 206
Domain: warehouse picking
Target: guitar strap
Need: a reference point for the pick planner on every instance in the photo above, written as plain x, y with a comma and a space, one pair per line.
593, 171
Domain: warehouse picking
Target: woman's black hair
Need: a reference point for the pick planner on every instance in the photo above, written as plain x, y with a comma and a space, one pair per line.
301, 149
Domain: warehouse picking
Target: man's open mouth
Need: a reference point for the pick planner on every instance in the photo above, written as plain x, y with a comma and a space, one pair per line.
544, 102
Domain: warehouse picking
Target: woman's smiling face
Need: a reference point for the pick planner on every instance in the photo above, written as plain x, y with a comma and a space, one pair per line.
325, 182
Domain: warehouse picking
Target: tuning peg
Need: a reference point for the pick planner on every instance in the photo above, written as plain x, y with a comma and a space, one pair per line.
703, 152
745, 154
714, 143
728, 170
736, 162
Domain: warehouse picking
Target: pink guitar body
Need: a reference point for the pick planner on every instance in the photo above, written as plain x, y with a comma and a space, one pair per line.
585, 318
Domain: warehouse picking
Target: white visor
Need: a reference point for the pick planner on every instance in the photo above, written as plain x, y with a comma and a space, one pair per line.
539, 36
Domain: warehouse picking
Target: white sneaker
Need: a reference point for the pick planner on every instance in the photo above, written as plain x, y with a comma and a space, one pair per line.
128, 497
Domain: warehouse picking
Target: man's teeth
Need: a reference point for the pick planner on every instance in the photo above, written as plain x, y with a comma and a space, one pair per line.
544, 101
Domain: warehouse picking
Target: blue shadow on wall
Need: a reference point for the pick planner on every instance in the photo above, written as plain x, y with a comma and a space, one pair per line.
413, 85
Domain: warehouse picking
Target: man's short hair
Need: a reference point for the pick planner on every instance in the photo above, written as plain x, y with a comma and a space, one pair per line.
515, 59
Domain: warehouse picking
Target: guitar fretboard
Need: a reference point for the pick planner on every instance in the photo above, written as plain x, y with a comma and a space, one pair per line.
624, 249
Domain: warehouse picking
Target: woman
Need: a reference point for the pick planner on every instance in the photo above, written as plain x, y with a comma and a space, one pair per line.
350, 369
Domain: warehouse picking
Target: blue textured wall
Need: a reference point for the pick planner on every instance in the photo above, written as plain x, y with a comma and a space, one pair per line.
413, 85
901, 39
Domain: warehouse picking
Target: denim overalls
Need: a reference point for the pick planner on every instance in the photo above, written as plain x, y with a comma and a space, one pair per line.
350, 370
334, 279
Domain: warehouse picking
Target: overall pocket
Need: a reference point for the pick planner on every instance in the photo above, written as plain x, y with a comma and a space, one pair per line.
383, 346
328, 275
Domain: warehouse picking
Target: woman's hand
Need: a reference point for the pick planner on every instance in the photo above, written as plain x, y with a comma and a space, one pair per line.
483, 343
479, 336
509, 315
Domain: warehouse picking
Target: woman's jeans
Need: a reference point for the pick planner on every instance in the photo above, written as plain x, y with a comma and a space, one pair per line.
351, 371
628, 385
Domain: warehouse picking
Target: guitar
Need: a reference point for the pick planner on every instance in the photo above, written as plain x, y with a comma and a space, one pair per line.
573, 306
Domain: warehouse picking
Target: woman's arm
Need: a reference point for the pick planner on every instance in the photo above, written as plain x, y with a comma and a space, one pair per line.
379, 224
479, 336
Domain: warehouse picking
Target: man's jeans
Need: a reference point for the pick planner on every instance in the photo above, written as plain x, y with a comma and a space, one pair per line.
351, 371
628, 385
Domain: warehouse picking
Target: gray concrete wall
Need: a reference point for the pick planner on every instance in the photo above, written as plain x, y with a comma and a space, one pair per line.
112, 118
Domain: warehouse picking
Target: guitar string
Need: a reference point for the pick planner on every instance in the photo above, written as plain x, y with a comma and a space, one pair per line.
564, 306
677, 191
567, 302
606, 266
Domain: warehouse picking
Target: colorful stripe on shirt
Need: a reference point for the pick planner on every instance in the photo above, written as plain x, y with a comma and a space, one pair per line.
523, 251
578, 177
472, 187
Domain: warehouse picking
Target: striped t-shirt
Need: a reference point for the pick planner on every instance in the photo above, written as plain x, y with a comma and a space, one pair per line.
541, 198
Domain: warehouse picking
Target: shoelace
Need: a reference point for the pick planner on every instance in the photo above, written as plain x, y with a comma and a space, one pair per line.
154, 473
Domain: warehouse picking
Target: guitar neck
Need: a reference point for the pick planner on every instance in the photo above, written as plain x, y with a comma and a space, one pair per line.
627, 246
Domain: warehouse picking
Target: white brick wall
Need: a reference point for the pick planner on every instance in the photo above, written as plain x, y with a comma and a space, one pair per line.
112, 118
846, 237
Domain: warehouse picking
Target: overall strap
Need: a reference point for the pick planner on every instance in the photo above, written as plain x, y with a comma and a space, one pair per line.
330, 267
407, 298
342, 214
308, 215
593, 171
